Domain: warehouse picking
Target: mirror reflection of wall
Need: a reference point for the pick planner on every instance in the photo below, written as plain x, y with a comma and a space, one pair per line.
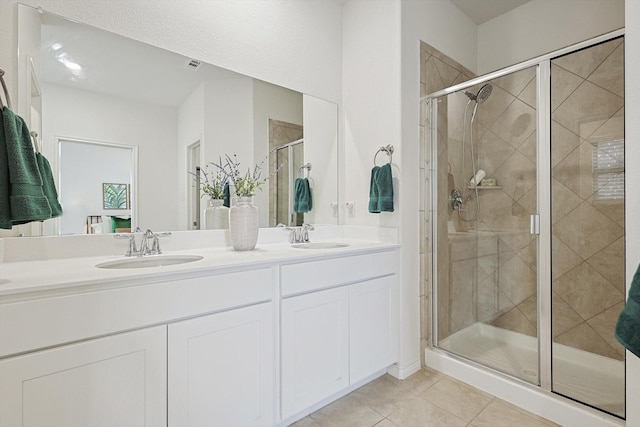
104, 87
85, 166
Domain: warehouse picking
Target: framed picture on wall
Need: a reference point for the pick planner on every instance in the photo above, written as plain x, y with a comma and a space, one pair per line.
115, 196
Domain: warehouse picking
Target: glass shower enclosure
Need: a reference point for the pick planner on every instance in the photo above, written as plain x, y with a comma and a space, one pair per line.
527, 222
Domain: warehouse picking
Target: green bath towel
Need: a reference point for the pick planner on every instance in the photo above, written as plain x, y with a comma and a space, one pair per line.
26, 196
381, 189
5, 207
302, 196
628, 326
373, 190
49, 185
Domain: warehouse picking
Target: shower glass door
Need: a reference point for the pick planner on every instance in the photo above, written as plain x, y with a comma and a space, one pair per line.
588, 283
485, 251
289, 158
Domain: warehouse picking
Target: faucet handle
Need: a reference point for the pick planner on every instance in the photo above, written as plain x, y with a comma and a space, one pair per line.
132, 242
155, 247
304, 233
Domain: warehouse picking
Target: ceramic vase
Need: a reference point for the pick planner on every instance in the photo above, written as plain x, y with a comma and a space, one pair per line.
243, 224
216, 216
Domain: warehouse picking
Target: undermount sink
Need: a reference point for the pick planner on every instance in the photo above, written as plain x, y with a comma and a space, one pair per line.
319, 245
150, 261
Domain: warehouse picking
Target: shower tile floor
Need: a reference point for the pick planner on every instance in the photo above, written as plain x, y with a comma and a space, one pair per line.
426, 399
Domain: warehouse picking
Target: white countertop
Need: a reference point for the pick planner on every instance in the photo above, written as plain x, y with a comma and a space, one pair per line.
27, 278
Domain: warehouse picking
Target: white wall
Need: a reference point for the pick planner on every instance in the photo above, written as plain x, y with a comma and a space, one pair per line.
228, 122
632, 183
542, 26
381, 108
270, 102
321, 150
190, 131
84, 115
372, 109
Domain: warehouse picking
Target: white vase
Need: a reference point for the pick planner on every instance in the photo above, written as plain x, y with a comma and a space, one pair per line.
243, 224
216, 216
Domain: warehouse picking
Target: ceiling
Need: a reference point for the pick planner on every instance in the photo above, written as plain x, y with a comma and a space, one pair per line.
118, 66
480, 11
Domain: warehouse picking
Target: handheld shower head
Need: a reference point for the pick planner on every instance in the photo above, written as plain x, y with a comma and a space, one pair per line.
483, 94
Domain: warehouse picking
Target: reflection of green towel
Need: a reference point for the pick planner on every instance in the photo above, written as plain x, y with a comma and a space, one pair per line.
302, 196
381, 189
227, 196
628, 326
26, 196
49, 185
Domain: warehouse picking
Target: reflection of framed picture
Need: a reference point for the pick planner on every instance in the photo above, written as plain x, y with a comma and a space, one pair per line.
115, 196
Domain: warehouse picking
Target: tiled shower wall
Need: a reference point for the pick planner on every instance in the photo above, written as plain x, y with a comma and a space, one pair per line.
490, 276
437, 72
588, 233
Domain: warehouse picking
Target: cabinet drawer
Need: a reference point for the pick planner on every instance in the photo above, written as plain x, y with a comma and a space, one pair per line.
33, 324
310, 276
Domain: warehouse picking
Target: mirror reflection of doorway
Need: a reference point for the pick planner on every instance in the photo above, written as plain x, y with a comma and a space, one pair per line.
290, 158
194, 214
285, 158
84, 167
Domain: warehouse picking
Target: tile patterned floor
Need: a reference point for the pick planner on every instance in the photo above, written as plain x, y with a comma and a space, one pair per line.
426, 399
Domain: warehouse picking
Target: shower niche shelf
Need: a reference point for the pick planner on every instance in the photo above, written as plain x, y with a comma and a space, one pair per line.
486, 187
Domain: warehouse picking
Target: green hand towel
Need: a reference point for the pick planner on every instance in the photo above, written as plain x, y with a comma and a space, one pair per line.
302, 201
26, 196
49, 185
5, 207
384, 182
373, 191
628, 326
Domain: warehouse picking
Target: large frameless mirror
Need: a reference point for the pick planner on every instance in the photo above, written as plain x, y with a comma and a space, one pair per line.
101, 87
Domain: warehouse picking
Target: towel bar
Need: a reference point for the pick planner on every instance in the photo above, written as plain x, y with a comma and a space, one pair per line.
6, 91
387, 149
301, 169
34, 138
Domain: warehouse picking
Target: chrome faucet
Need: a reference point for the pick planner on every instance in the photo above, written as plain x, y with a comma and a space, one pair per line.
304, 232
298, 234
145, 248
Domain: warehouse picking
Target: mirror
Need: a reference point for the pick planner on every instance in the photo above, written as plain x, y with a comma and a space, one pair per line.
177, 114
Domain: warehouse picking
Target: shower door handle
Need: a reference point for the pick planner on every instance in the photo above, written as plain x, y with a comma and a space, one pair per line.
534, 224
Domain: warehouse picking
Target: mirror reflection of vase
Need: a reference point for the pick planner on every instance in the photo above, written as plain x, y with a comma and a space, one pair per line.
243, 224
216, 215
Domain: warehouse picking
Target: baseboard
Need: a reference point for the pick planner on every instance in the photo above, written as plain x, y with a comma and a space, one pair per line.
403, 372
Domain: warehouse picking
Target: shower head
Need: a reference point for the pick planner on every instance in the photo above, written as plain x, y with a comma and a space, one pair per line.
482, 95
470, 95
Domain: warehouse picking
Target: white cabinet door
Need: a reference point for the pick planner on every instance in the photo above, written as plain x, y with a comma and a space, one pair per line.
118, 380
222, 369
315, 348
373, 312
